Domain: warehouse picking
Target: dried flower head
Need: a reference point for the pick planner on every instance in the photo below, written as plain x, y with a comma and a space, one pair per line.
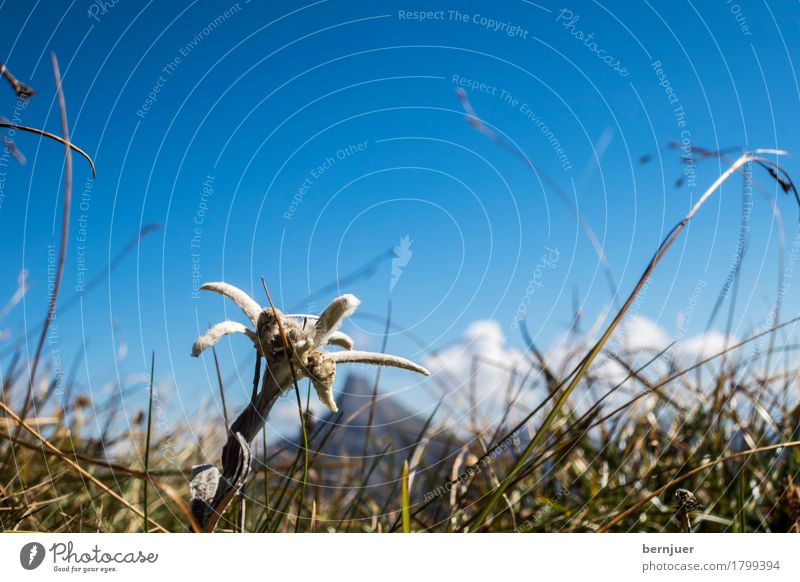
686, 500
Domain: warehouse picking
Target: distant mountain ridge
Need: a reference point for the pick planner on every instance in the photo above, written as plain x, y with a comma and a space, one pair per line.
393, 438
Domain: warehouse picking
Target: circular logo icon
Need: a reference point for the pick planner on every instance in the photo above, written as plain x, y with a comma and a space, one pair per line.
31, 555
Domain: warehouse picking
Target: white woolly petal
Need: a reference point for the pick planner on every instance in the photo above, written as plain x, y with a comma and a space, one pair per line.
214, 334
331, 318
340, 339
246, 303
356, 357
325, 394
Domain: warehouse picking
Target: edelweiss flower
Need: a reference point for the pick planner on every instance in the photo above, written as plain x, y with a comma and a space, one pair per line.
307, 335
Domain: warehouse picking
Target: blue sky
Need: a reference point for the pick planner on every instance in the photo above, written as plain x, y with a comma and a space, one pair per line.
299, 141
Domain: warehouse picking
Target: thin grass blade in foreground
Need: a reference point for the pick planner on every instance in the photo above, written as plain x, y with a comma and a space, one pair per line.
64, 235
147, 443
221, 387
498, 492
406, 512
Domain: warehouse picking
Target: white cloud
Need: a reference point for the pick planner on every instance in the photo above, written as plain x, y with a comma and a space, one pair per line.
639, 334
700, 347
480, 367
637, 341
